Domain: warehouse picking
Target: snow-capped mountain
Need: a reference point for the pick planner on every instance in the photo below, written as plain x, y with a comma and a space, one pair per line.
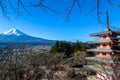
15, 35
13, 31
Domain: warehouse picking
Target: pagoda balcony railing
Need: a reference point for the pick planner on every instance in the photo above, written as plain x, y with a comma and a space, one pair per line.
100, 68
100, 59
104, 38
104, 41
102, 47
101, 39
102, 50
111, 38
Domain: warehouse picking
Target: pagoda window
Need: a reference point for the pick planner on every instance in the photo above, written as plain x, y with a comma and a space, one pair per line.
104, 54
104, 37
104, 45
101, 37
100, 46
99, 55
108, 45
107, 37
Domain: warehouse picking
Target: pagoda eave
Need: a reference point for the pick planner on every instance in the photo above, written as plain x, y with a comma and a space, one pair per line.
102, 50
100, 59
97, 42
98, 50
100, 69
101, 33
104, 41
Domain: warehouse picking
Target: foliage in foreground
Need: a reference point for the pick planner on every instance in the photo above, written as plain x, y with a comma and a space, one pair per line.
30, 65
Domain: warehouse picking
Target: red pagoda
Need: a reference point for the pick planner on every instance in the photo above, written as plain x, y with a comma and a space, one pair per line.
107, 45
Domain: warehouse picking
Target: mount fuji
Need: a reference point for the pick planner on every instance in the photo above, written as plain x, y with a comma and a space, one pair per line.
16, 36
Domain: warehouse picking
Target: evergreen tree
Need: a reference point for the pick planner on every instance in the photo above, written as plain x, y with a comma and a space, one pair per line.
63, 46
69, 50
83, 47
55, 47
77, 46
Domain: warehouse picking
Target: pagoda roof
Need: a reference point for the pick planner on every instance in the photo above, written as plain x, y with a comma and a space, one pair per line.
108, 30
105, 32
100, 68
100, 59
100, 33
102, 50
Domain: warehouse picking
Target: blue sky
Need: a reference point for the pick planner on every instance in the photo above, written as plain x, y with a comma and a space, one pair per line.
46, 24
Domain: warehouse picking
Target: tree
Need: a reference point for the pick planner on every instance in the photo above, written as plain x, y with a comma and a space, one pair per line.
62, 47
80, 46
17, 7
83, 46
116, 66
77, 46
69, 50
56, 47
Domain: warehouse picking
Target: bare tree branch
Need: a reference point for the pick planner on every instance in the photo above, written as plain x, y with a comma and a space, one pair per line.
4, 9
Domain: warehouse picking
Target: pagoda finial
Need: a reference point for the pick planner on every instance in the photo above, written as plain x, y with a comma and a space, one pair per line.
107, 20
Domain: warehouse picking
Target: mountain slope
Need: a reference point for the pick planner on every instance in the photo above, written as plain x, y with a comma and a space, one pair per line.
15, 35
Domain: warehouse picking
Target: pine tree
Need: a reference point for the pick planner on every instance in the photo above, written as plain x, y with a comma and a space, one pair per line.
56, 48
69, 50
83, 47
77, 46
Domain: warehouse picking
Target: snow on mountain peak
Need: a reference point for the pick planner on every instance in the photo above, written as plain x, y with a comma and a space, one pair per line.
13, 31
